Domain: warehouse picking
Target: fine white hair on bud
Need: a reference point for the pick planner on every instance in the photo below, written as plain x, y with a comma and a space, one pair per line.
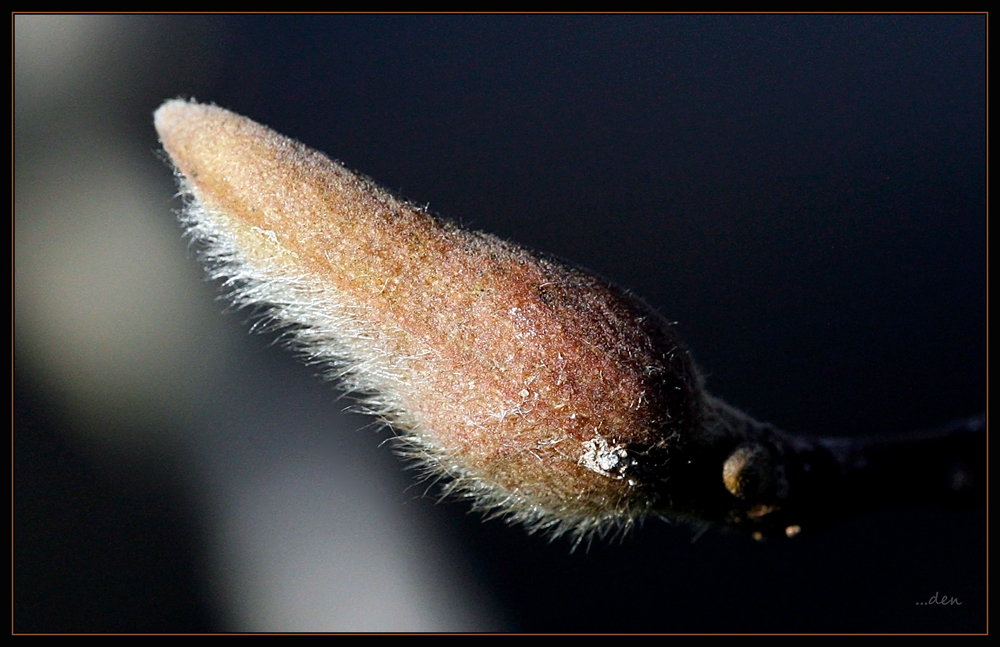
538, 391
541, 392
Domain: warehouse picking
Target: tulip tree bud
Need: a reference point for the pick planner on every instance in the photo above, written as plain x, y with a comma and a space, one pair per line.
536, 389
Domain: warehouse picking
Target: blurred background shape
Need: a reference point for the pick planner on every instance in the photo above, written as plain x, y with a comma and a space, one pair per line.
128, 374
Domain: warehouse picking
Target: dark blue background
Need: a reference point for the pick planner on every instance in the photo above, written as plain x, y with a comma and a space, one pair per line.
804, 195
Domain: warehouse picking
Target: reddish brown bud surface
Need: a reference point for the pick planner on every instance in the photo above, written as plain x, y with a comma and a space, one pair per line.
540, 391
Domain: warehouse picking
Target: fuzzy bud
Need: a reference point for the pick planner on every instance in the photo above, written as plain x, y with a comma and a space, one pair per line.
542, 392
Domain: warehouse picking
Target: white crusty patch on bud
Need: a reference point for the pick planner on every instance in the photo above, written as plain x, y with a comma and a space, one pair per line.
607, 459
494, 364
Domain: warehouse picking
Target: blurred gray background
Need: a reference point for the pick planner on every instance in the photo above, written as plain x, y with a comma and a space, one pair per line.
804, 195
